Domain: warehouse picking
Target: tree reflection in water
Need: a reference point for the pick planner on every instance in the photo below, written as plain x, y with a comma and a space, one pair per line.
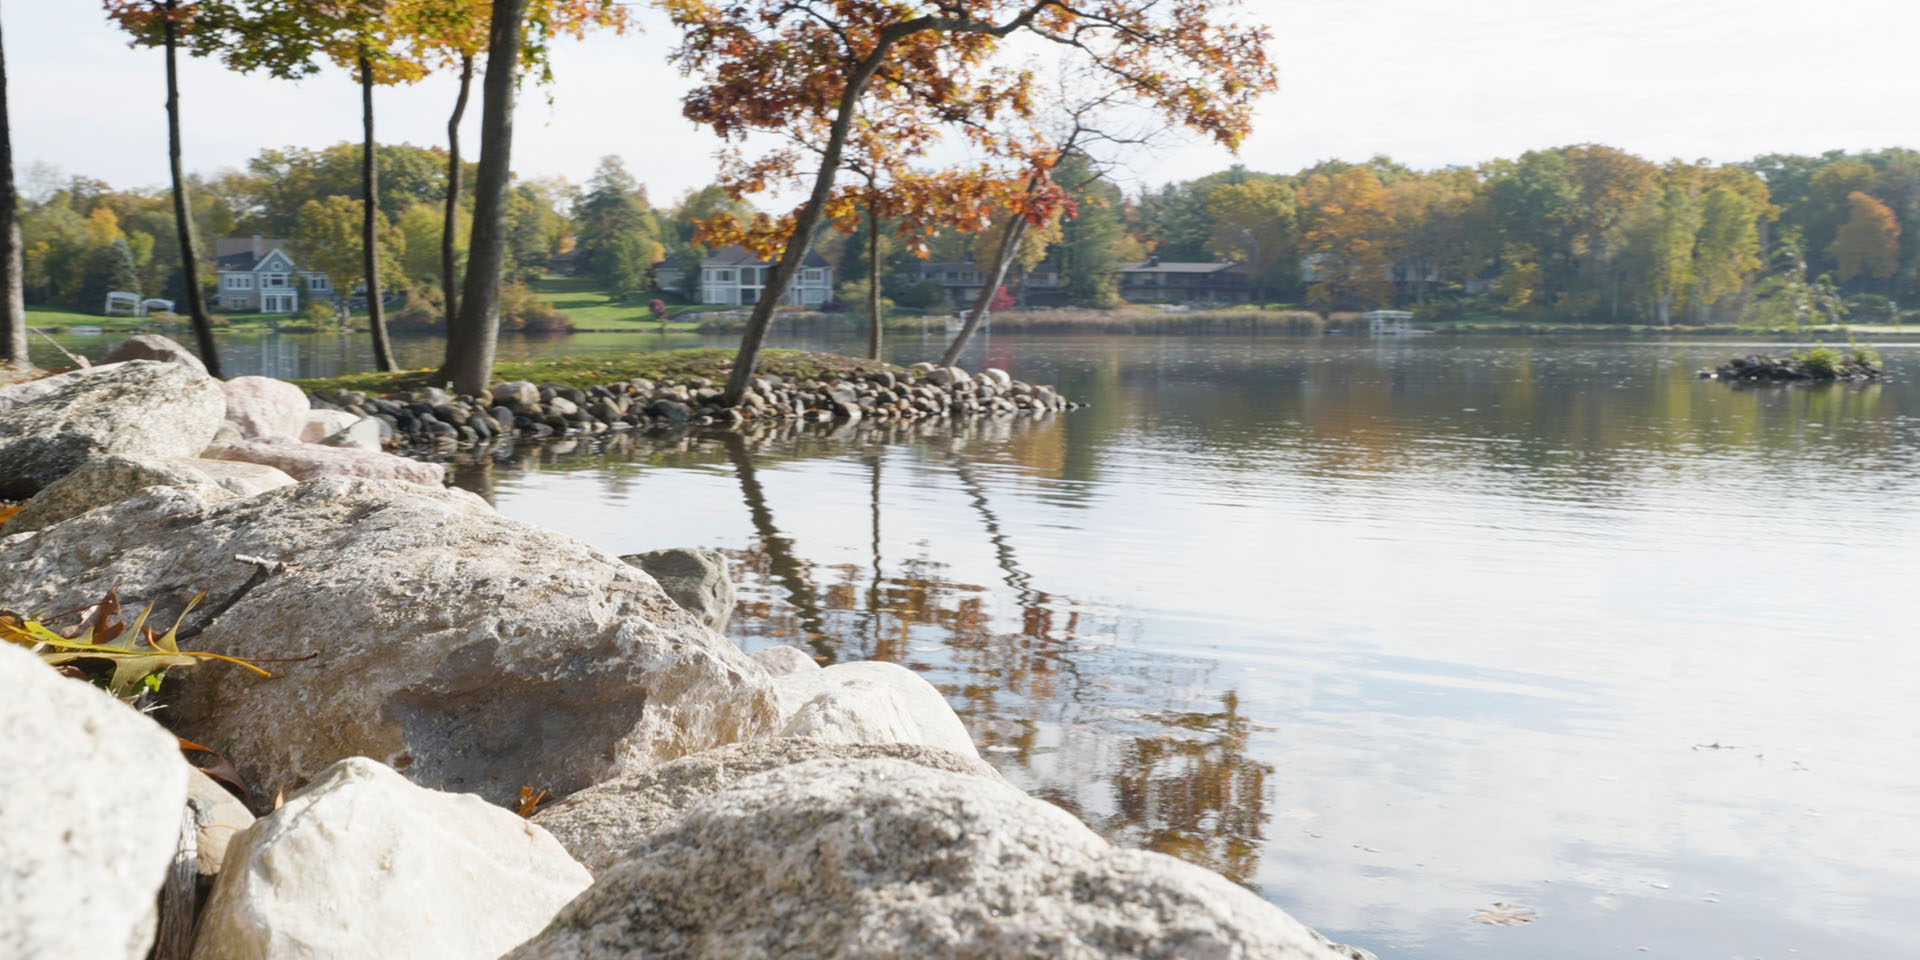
1142, 766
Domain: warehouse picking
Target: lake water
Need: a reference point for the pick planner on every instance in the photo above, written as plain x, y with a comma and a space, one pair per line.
1389, 631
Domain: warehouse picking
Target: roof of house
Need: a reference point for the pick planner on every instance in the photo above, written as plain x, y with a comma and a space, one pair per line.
738, 257
236, 253
1177, 266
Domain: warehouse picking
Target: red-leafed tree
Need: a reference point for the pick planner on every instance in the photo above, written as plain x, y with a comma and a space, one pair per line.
808, 69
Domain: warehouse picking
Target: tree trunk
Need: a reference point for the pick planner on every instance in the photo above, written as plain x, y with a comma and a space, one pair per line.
983, 301
13, 328
182, 211
741, 378
449, 279
369, 238
471, 364
873, 276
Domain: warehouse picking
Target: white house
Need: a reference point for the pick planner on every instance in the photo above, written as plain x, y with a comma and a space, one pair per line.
257, 275
734, 276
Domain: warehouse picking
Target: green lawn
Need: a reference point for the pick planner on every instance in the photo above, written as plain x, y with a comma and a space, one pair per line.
52, 319
590, 308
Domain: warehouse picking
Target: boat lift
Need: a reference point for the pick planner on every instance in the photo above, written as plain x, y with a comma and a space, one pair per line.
1388, 323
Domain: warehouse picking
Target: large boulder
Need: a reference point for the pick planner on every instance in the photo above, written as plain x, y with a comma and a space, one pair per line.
91, 795
107, 480
869, 701
265, 407
601, 824
152, 346
305, 461
884, 858
15, 394
141, 407
365, 864
696, 578
411, 624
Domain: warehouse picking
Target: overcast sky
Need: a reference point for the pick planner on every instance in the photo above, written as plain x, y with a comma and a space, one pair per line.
1429, 83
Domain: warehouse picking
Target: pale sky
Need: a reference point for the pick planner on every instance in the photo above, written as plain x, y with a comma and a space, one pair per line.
1429, 83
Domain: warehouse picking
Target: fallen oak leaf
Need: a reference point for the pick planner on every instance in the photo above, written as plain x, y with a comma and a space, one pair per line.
132, 666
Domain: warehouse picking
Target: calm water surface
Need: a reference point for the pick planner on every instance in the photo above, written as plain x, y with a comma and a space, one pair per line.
1390, 632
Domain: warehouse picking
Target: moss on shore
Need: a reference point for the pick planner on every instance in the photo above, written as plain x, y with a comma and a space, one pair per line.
583, 372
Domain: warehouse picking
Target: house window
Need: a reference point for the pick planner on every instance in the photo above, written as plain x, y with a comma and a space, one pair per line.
815, 275
277, 303
318, 282
240, 282
273, 280
723, 276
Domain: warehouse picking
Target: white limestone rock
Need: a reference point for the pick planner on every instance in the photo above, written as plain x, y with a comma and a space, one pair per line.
265, 407
696, 578
90, 800
152, 346
869, 701
141, 408
363, 433
782, 660
601, 824
218, 816
306, 461
412, 624
365, 864
885, 858
105, 481
321, 424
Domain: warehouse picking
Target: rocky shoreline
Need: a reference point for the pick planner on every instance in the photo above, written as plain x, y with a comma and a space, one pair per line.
432, 418
1815, 365
484, 739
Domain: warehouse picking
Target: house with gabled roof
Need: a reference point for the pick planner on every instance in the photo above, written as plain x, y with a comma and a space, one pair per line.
734, 276
962, 281
1178, 281
258, 275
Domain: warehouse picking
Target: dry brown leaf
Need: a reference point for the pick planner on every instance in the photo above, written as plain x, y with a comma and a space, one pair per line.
530, 800
221, 769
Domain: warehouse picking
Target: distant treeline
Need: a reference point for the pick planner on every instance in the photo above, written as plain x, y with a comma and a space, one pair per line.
1582, 233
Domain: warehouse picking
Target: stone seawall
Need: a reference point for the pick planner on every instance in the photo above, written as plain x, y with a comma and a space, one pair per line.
432, 418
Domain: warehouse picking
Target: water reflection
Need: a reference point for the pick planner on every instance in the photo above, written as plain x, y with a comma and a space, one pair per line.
1389, 633
1182, 781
